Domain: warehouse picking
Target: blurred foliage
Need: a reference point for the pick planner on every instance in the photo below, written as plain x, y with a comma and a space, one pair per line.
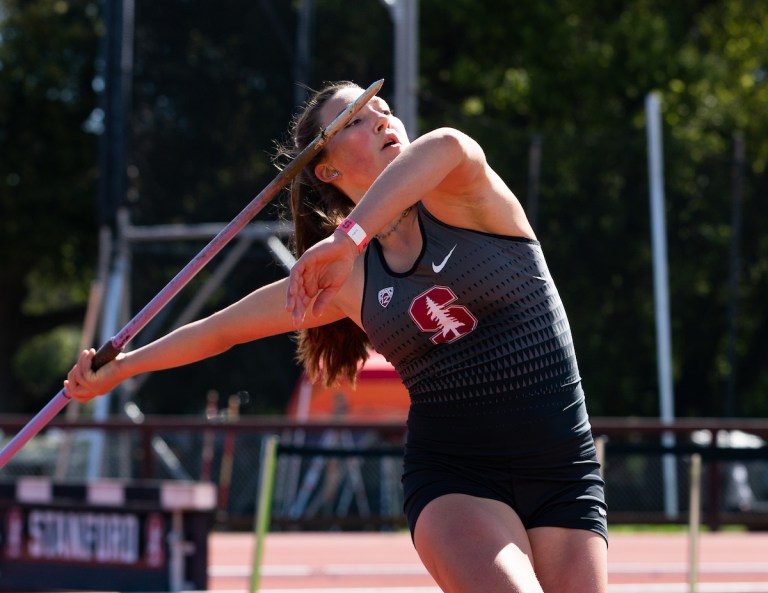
575, 75
44, 359
214, 85
48, 173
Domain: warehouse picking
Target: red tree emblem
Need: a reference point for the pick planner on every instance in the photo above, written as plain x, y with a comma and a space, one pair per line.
432, 313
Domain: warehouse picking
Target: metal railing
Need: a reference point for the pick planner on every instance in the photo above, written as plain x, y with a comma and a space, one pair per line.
361, 460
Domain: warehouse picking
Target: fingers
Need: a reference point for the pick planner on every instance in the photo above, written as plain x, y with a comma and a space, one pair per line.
79, 378
318, 276
302, 288
82, 367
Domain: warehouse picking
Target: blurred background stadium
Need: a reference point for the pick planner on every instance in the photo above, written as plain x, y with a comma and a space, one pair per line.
130, 129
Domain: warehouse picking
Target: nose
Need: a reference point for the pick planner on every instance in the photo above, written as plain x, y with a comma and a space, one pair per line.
382, 122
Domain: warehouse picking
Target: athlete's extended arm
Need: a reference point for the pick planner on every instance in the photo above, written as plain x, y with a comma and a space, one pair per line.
258, 315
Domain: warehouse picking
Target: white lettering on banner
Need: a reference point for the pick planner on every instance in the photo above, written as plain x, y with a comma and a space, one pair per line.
86, 537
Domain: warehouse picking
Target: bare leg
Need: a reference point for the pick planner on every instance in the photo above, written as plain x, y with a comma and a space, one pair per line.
471, 544
573, 560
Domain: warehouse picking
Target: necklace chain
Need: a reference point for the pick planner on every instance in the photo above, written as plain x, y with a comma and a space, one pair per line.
394, 226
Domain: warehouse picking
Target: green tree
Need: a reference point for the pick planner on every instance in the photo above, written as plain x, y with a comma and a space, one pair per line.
576, 73
213, 89
47, 175
214, 85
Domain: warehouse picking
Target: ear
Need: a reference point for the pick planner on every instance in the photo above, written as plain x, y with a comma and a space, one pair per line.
326, 173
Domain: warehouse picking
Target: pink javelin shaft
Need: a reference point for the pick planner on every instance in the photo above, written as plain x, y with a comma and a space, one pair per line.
114, 346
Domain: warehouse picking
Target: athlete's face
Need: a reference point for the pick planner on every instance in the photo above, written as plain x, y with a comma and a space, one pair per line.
356, 156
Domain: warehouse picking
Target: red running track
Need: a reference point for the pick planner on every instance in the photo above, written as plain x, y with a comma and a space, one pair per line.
387, 563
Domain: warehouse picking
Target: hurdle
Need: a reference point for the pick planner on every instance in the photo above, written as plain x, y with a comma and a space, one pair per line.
110, 534
269, 446
694, 506
694, 523
270, 449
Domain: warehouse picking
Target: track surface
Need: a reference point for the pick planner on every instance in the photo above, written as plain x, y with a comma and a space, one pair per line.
387, 563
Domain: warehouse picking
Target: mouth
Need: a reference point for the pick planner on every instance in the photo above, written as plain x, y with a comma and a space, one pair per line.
391, 141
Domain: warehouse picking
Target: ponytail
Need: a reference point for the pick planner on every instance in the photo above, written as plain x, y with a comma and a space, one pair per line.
337, 350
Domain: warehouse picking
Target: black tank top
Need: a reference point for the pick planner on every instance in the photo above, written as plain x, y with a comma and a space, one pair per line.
477, 320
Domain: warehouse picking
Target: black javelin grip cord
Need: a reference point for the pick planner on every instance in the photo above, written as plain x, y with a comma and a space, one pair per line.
114, 346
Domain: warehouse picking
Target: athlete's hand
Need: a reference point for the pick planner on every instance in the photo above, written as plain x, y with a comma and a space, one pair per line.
83, 384
319, 274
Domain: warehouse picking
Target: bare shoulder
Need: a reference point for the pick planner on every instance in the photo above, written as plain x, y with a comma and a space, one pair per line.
467, 149
474, 196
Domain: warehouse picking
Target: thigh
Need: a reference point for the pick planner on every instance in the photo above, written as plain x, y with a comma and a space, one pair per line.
469, 543
573, 560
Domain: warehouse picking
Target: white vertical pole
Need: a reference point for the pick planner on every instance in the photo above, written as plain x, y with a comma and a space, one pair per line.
661, 293
405, 16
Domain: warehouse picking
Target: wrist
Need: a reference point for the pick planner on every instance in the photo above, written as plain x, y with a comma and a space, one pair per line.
355, 232
122, 366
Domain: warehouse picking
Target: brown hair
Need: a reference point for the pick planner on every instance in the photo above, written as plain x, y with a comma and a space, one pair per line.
334, 351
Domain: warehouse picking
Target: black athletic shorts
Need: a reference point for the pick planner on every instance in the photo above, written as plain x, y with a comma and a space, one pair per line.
546, 470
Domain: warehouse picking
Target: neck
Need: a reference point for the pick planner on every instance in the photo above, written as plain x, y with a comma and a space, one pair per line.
394, 225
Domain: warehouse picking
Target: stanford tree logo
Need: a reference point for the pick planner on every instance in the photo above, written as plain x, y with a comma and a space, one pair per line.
432, 313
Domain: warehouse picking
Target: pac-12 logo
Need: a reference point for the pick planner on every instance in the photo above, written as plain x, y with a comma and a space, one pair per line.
433, 312
385, 296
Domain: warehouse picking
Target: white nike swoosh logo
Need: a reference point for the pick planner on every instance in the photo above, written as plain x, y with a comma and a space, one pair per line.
439, 268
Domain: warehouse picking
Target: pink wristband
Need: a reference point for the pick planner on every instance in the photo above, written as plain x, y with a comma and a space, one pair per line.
355, 232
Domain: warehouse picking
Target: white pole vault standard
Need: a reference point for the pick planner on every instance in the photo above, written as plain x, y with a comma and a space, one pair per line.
114, 346
661, 293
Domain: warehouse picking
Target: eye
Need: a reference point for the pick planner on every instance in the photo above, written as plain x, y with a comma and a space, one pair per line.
385, 108
354, 122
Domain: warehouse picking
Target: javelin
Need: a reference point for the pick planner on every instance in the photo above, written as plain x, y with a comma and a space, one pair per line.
115, 346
